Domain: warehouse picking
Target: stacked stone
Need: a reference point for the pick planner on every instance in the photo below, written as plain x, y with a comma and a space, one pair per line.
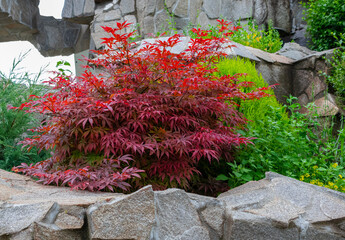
276, 207
153, 16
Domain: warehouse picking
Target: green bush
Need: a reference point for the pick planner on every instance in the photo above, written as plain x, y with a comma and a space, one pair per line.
337, 76
325, 19
292, 146
253, 110
15, 88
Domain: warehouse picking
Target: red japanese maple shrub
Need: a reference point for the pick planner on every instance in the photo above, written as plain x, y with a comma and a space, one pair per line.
150, 110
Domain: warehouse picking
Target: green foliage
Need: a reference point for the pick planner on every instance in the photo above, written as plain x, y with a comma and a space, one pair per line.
15, 88
257, 109
325, 18
265, 39
282, 144
337, 76
293, 148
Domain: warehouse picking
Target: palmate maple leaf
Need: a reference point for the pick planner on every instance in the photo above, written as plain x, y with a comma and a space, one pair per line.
151, 110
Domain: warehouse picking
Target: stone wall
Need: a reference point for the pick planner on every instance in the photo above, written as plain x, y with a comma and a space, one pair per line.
157, 16
276, 207
20, 19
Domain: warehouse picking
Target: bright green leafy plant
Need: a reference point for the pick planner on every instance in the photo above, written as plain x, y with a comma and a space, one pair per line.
282, 144
325, 18
336, 77
254, 110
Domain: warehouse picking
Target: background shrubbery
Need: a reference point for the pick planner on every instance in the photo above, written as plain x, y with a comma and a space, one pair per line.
336, 78
325, 19
15, 88
290, 145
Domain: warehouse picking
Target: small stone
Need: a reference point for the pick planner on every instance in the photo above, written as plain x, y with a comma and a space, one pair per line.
127, 6
112, 15
325, 107
181, 9
315, 87
51, 232
70, 217
108, 7
212, 8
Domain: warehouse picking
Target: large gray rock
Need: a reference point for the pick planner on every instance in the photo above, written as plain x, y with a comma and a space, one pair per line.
131, 217
176, 217
127, 6
295, 51
18, 19
278, 207
211, 213
279, 13
22, 190
59, 37
44, 231
15, 218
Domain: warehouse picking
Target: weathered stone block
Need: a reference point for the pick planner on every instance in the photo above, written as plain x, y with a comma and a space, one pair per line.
277, 74
315, 87
127, 6
50, 232
246, 226
212, 8
131, 217
181, 9
70, 217
301, 80
203, 20
79, 11
15, 218
176, 217
149, 25
160, 21
260, 11
279, 13
112, 15
235, 10
303, 99
194, 10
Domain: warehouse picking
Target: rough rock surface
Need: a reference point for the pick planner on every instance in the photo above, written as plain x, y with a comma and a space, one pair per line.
131, 217
20, 20
79, 11
276, 207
